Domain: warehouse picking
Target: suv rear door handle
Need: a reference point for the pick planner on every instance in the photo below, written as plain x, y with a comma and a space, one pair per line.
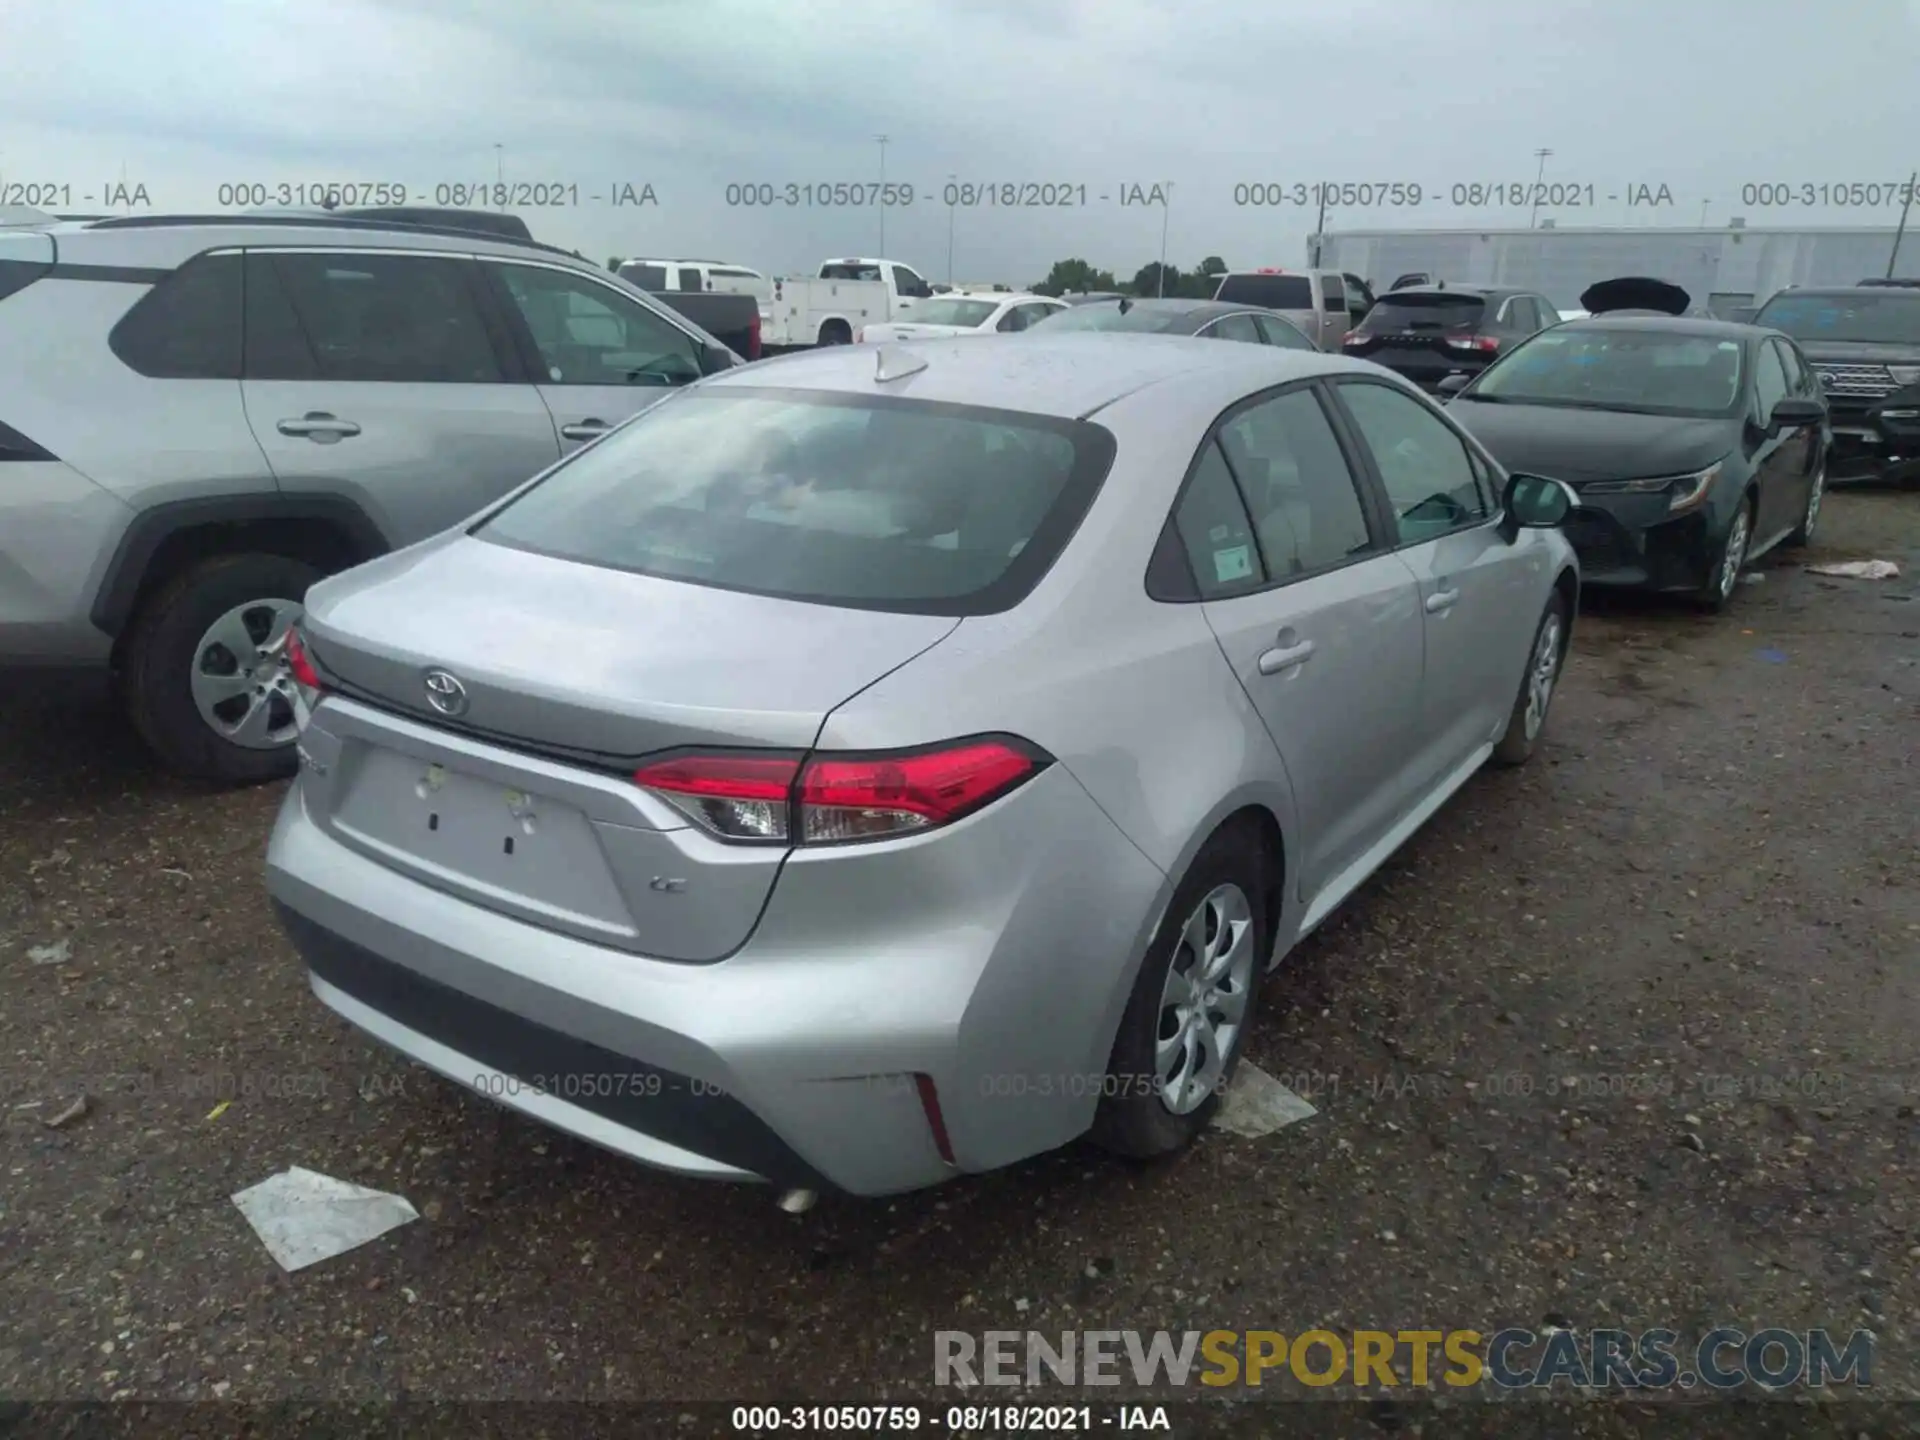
1286, 656
319, 426
1441, 600
585, 429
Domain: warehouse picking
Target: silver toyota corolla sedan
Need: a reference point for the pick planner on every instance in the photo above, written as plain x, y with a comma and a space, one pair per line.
877, 765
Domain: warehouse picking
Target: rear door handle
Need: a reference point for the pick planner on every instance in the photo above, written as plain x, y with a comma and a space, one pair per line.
318, 425
585, 429
1441, 600
1285, 657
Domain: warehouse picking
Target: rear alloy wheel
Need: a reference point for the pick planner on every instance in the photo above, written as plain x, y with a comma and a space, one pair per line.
1544, 660
1804, 535
206, 678
1181, 1038
1724, 578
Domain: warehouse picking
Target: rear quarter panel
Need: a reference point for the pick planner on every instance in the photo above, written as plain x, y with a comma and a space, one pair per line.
1133, 697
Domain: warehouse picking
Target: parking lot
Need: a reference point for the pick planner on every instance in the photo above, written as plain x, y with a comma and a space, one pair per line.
1624, 1038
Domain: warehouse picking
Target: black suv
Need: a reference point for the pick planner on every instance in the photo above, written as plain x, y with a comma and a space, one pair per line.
1863, 342
1429, 332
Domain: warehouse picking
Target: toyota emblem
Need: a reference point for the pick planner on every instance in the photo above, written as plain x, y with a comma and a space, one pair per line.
445, 693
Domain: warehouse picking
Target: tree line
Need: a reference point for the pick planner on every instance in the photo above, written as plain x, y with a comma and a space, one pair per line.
1079, 276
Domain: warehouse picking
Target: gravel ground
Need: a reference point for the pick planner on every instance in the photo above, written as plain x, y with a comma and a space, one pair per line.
1624, 1038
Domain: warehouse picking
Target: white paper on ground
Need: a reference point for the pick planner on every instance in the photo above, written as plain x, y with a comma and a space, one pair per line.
1858, 569
1257, 1105
304, 1217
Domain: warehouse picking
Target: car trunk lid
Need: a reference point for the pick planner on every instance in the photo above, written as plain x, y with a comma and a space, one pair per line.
1420, 335
520, 799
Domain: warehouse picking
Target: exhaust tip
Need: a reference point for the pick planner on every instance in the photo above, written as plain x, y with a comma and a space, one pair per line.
797, 1202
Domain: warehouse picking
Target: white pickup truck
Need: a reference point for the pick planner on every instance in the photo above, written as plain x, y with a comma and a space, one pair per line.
829, 308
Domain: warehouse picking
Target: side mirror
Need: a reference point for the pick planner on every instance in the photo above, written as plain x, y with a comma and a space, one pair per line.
1795, 411
1454, 384
715, 358
1533, 502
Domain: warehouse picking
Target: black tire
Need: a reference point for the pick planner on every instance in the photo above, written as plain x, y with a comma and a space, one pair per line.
836, 332
1802, 535
161, 651
1517, 745
1134, 1118
1715, 593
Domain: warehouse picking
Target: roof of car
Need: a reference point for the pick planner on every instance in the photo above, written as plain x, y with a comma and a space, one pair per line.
1674, 324
292, 227
1065, 375
1484, 292
997, 296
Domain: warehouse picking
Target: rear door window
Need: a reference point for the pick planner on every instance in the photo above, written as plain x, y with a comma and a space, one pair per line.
688, 279
646, 277
187, 327
1234, 327
1294, 477
1333, 297
397, 319
1281, 332
875, 503
1275, 292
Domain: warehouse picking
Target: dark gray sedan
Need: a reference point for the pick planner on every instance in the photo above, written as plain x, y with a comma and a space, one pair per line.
1209, 319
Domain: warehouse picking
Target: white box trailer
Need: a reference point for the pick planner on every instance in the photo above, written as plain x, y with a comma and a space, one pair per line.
1724, 269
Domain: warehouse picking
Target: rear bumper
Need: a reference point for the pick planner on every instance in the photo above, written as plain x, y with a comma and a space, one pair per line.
995, 967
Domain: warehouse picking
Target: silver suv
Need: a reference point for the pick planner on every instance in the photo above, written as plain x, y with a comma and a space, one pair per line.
201, 416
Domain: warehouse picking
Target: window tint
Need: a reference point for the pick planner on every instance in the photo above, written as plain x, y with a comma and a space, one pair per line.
906, 282
1770, 380
1305, 506
885, 504
1423, 464
393, 318
1332, 295
1215, 531
1234, 327
688, 280
1434, 312
1548, 315
1036, 312
187, 327
590, 334
1520, 315
1799, 377
1017, 317
1279, 332
647, 277
1276, 292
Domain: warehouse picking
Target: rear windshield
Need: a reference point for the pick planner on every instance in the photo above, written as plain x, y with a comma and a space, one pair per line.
880, 504
1399, 314
1275, 292
647, 277
1107, 315
953, 312
1887, 317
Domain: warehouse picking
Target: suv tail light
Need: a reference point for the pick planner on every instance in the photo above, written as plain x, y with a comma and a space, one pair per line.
830, 798
753, 336
1482, 344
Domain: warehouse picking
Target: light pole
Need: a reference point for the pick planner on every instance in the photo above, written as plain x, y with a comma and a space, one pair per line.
1533, 219
953, 194
881, 140
1166, 211
1906, 208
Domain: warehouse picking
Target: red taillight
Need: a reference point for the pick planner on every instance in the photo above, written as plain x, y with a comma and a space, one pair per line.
1484, 344
833, 799
861, 798
739, 797
753, 336
300, 664
936, 1121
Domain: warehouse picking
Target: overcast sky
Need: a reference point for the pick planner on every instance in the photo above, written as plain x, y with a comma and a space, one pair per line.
690, 96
